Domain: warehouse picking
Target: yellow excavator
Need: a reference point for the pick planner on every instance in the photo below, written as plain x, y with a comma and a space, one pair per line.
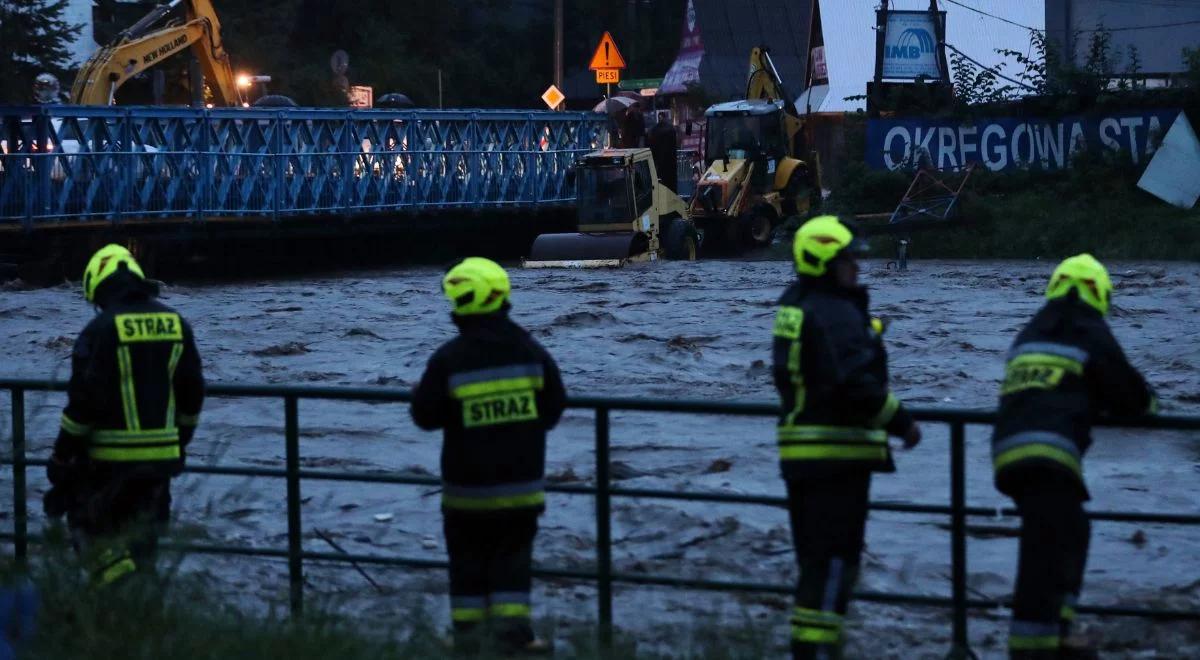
756, 177
155, 38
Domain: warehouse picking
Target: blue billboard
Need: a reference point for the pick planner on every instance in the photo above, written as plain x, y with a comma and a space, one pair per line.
1009, 142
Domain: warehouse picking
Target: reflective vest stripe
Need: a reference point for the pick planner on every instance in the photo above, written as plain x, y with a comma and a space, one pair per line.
1072, 353
493, 503
176, 353
886, 412
1047, 360
822, 433
135, 446
835, 452
510, 610
497, 386
73, 427
135, 454
128, 392
1037, 444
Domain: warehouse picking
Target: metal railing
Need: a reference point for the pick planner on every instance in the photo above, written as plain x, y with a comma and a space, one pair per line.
604, 576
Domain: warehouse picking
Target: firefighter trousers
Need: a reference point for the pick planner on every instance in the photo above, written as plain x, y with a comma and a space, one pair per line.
828, 518
116, 526
1054, 543
491, 557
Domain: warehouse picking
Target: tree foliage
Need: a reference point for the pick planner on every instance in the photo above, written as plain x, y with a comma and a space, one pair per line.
34, 38
490, 53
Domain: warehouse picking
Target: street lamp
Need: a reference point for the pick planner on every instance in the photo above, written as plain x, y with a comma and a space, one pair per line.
244, 81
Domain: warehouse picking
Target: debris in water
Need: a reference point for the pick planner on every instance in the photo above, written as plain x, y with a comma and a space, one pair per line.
724, 527
429, 543
1138, 538
290, 348
583, 319
620, 470
565, 476
59, 343
719, 465
361, 332
384, 517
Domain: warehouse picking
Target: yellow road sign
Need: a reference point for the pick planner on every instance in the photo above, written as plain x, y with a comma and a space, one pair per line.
607, 56
553, 97
608, 76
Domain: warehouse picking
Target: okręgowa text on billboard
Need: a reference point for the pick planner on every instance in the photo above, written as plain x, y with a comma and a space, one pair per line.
1007, 143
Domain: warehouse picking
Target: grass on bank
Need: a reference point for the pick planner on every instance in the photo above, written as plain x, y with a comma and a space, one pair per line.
1029, 214
182, 617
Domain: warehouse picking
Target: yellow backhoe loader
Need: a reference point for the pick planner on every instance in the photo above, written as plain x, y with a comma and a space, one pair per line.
625, 214
756, 177
153, 39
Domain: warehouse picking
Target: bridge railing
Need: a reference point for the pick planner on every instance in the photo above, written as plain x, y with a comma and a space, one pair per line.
67, 163
603, 493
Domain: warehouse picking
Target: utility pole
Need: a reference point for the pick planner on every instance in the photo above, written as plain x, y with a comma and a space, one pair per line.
558, 46
940, 28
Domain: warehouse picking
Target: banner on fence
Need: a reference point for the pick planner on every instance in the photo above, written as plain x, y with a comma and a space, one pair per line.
1010, 142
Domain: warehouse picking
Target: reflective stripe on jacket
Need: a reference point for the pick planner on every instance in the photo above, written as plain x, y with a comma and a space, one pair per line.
494, 391
830, 369
136, 386
1064, 368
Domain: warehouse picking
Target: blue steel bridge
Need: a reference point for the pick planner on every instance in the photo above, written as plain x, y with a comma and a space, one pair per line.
68, 166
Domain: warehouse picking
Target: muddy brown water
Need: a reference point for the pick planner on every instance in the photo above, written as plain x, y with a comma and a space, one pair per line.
665, 330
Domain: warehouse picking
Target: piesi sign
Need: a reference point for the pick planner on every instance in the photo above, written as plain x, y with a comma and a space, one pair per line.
1009, 142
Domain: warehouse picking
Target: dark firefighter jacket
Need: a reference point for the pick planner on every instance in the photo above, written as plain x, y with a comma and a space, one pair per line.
495, 392
136, 388
831, 372
1063, 370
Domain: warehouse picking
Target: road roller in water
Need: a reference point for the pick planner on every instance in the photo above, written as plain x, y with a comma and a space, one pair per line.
625, 214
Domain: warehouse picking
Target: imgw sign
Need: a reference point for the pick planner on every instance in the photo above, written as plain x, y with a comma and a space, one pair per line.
910, 45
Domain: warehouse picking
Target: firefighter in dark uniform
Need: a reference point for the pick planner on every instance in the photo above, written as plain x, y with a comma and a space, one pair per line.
495, 392
133, 404
831, 371
1063, 370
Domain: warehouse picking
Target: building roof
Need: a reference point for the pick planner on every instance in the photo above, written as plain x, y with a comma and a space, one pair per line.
728, 31
848, 28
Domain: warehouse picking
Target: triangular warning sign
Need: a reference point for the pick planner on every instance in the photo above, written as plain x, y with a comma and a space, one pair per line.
607, 56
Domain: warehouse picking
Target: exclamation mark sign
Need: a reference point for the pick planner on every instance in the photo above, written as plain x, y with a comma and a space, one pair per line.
606, 60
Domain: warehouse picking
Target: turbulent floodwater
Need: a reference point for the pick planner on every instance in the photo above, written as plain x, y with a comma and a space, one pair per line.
697, 331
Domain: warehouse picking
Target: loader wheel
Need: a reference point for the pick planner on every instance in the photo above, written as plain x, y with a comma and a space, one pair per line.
757, 227
680, 240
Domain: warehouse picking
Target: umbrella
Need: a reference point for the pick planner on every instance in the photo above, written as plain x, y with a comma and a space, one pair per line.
395, 100
615, 106
275, 101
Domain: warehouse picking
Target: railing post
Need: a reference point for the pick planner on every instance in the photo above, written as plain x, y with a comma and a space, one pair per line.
20, 514
295, 534
603, 532
958, 539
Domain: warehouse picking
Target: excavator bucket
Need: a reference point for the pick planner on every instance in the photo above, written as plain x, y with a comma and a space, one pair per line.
607, 250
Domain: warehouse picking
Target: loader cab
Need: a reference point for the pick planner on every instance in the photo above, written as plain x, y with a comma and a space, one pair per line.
747, 130
613, 189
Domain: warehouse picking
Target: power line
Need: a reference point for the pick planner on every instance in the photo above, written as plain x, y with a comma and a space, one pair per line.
1142, 27
1099, 29
994, 16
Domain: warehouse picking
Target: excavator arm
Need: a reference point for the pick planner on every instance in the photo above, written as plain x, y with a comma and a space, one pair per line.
140, 47
764, 82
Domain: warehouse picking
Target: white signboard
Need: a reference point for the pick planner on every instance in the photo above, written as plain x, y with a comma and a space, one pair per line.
820, 71
1174, 173
910, 46
362, 96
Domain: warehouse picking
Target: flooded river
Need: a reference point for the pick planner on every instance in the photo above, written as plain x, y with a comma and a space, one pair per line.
666, 330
